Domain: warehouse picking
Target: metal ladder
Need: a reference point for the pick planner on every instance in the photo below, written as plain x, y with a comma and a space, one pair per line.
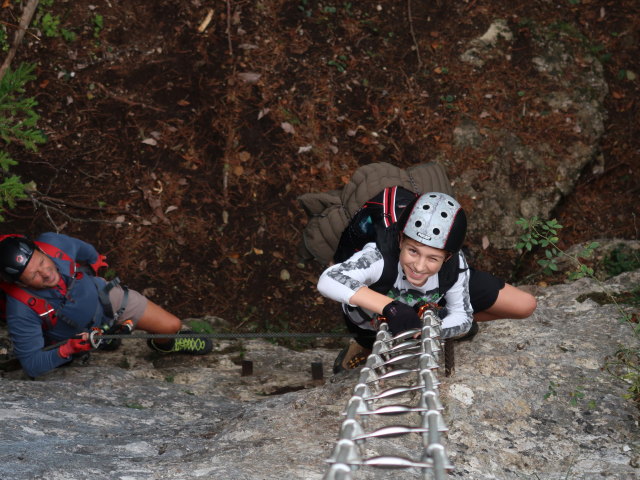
399, 378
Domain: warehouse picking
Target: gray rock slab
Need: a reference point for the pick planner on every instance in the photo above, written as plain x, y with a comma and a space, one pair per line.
529, 399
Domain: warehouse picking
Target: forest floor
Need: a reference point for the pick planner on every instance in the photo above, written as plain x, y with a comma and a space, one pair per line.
177, 132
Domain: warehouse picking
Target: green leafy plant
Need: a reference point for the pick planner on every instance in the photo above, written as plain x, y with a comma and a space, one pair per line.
625, 365
18, 117
98, 25
11, 189
576, 396
551, 391
49, 24
538, 233
621, 259
599, 51
305, 8
544, 235
4, 40
18, 120
340, 63
290, 117
110, 274
68, 35
200, 326
448, 101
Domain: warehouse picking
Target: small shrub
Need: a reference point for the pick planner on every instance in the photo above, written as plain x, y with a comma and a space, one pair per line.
200, 326
18, 120
621, 259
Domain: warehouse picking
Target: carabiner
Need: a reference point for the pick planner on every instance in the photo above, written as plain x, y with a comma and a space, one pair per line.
96, 332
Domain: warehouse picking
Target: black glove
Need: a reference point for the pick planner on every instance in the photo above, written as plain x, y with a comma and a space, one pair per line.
429, 305
125, 328
401, 317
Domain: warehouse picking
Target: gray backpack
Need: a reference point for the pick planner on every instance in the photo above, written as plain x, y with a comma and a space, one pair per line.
332, 213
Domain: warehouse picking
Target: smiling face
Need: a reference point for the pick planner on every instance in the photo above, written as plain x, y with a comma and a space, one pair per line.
40, 272
419, 261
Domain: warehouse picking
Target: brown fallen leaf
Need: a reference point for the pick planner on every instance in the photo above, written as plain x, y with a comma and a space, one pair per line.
249, 77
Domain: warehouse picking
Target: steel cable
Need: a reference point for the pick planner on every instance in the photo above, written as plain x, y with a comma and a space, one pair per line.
224, 335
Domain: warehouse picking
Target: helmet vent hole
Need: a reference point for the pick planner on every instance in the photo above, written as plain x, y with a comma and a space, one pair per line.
426, 207
436, 231
418, 224
444, 214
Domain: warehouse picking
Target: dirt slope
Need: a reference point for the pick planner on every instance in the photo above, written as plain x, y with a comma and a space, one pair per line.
196, 134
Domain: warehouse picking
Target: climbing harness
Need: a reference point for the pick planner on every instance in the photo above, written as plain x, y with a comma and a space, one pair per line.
103, 296
98, 335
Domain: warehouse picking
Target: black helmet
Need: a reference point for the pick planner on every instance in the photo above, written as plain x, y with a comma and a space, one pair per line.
15, 253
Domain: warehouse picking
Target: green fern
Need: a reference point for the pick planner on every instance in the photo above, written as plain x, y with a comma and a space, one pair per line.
18, 117
11, 189
18, 124
6, 161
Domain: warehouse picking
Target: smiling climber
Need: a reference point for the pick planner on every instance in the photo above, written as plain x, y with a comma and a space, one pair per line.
418, 260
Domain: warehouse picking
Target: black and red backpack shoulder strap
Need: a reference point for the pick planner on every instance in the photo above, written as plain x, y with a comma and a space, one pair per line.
389, 206
41, 307
395, 201
387, 241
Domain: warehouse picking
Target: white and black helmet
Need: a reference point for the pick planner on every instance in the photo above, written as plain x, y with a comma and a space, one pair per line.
437, 220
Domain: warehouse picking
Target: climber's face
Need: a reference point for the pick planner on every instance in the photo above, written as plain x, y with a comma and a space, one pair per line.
40, 272
419, 261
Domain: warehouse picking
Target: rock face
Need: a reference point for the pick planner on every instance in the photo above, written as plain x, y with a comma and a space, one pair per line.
528, 399
531, 398
529, 179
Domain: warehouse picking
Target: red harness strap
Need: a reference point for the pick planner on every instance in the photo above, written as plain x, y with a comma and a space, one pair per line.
40, 306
